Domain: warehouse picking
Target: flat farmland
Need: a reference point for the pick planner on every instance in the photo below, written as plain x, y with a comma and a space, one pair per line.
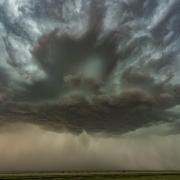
124, 175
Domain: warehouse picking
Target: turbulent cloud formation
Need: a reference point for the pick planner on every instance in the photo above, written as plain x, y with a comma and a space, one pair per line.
101, 67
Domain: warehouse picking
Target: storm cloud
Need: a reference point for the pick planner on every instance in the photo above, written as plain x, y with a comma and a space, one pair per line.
89, 75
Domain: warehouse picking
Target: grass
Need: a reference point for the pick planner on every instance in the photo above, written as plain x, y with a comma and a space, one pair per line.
90, 176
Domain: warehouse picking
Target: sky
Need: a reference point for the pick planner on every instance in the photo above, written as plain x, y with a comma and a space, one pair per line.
89, 85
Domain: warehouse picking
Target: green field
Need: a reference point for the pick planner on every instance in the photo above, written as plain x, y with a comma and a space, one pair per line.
92, 176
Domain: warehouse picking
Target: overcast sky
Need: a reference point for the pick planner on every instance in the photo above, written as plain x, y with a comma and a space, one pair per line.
89, 84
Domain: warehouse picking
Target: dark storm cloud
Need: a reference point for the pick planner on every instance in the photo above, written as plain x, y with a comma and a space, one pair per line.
78, 102
5, 92
3, 77
132, 109
98, 96
61, 53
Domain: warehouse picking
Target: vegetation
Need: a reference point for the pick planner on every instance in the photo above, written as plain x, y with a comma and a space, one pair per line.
91, 176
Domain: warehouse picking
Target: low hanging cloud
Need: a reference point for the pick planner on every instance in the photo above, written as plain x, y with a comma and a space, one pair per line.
130, 110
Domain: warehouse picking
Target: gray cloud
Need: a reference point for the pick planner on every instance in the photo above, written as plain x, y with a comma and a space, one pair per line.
132, 109
94, 79
133, 78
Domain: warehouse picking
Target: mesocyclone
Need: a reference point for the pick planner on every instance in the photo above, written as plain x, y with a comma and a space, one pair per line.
90, 65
